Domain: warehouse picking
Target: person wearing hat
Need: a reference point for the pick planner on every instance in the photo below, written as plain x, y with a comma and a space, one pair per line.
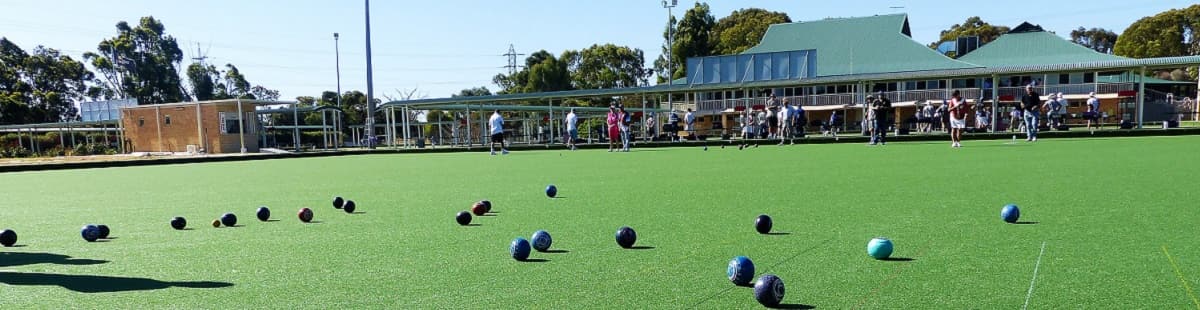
1093, 111
1030, 103
614, 131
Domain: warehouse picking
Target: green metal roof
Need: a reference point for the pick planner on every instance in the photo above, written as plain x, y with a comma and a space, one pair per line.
1032, 49
861, 45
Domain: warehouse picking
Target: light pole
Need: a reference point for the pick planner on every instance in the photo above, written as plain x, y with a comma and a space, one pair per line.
370, 130
337, 58
668, 4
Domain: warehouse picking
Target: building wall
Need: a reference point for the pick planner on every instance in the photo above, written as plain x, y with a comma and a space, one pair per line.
147, 128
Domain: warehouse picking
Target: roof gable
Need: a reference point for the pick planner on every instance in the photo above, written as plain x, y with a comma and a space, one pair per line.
875, 44
1029, 45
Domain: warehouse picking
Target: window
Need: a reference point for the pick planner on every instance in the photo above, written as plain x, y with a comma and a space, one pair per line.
141, 121
1089, 77
167, 120
229, 123
1064, 79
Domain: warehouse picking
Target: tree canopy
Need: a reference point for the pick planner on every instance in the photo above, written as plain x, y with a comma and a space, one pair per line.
973, 26
41, 86
692, 38
1172, 33
139, 62
1098, 39
743, 29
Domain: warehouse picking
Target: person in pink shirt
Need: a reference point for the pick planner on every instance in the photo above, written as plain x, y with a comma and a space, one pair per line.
614, 131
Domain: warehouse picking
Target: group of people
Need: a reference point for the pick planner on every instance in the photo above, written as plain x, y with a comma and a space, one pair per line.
784, 121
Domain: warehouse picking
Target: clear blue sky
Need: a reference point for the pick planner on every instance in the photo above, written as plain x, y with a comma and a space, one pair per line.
440, 47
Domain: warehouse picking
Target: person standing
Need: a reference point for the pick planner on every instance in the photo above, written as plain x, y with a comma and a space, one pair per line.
943, 116
672, 126
1093, 111
958, 118
614, 131
496, 124
1029, 106
689, 120
881, 108
572, 129
626, 119
651, 127
785, 124
796, 113
835, 122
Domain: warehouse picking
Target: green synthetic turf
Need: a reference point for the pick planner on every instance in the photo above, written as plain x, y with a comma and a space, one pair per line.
1104, 208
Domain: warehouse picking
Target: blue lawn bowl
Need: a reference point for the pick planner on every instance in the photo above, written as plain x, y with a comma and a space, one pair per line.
1010, 213
740, 271
541, 241
519, 248
880, 248
551, 191
90, 233
768, 290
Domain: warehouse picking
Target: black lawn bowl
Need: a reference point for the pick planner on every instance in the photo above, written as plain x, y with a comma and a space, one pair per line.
103, 229
8, 237
229, 220
626, 237
463, 218
263, 213
763, 224
178, 223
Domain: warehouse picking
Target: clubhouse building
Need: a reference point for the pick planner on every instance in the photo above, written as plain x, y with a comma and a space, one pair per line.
833, 65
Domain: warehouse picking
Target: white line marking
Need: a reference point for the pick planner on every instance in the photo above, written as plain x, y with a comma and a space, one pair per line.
1035, 272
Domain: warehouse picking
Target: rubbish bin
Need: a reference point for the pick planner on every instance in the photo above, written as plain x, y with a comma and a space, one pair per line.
421, 143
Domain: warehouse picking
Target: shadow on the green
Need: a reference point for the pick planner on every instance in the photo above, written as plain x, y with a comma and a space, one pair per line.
556, 251
794, 306
10, 259
99, 284
1025, 223
641, 247
898, 259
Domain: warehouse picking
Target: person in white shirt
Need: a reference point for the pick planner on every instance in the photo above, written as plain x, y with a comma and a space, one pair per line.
496, 124
1093, 111
784, 124
689, 120
572, 129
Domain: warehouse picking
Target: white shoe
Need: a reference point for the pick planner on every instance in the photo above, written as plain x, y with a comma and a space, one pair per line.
1034, 139
493, 153
505, 152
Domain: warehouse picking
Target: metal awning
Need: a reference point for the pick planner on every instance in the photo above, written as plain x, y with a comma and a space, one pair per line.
1124, 64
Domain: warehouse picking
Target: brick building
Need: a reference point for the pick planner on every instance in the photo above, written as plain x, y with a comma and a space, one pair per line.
207, 126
